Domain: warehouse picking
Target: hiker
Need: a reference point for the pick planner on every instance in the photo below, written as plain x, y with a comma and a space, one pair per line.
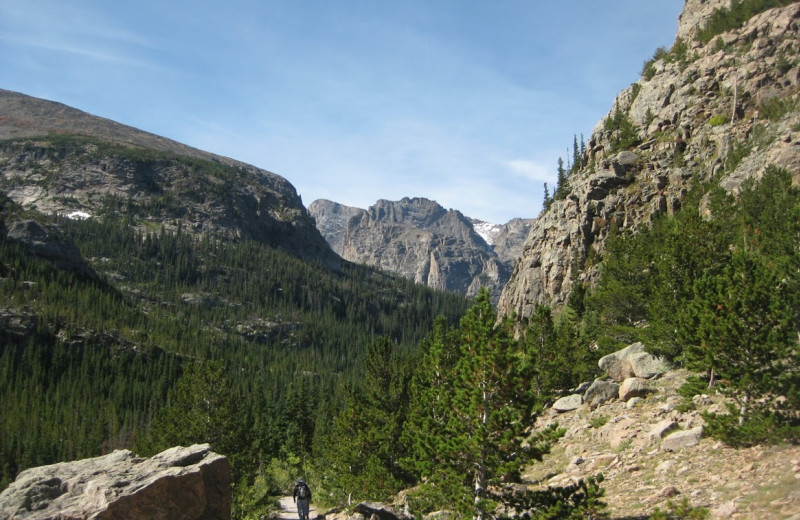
302, 497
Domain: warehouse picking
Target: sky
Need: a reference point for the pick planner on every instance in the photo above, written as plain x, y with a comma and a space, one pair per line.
466, 102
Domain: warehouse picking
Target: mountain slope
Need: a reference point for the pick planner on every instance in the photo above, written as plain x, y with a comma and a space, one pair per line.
122, 264
420, 240
59, 160
720, 111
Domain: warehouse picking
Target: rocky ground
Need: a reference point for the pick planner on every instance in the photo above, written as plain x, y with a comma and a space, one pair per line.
631, 447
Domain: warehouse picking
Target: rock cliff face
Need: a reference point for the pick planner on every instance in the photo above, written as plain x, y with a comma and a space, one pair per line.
420, 240
59, 160
178, 484
721, 111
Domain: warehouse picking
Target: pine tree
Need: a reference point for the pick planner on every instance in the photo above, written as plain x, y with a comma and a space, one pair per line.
479, 437
743, 317
561, 181
201, 409
547, 199
363, 447
576, 154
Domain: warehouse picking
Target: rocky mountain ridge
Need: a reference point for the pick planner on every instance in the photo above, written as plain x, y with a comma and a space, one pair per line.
59, 160
420, 240
720, 111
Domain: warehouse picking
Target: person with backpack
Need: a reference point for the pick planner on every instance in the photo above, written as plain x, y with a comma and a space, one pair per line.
302, 497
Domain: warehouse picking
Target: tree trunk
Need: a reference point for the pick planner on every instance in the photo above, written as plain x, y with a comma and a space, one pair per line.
744, 410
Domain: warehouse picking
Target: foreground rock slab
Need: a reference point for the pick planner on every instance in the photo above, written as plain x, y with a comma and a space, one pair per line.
181, 483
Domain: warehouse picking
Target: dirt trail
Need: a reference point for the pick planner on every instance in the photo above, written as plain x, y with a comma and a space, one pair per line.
289, 510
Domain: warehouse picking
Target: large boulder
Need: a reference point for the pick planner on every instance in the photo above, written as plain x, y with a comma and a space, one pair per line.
379, 511
683, 439
632, 361
568, 403
180, 483
632, 387
600, 392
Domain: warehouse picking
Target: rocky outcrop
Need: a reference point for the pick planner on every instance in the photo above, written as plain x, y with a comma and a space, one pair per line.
59, 160
420, 240
698, 107
178, 484
657, 449
332, 220
45, 243
632, 362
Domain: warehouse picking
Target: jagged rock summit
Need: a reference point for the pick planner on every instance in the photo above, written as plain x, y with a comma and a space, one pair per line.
60, 160
723, 110
420, 240
181, 483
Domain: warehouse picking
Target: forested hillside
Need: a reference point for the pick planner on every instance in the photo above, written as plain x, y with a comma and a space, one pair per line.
182, 303
90, 349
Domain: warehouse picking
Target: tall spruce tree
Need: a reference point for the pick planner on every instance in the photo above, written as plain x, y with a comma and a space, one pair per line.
201, 409
364, 446
475, 438
561, 181
743, 317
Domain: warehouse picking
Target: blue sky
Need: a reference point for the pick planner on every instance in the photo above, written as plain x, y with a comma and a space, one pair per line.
466, 102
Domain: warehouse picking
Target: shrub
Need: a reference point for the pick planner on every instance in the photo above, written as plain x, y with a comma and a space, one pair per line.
680, 511
775, 107
759, 427
598, 421
719, 119
694, 385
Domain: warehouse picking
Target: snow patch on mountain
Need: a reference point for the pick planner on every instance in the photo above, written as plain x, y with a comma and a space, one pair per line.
486, 230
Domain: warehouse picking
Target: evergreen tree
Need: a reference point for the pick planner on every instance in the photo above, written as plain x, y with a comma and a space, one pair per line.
743, 317
364, 448
547, 200
561, 181
201, 409
576, 154
479, 438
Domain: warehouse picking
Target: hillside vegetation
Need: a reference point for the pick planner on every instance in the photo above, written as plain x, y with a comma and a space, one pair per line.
197, 304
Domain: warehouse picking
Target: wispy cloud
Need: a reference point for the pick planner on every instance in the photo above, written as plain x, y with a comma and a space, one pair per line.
68, 28
529, 170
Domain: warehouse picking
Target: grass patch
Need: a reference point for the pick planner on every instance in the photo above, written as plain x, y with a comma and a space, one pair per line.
719, 119
598, 421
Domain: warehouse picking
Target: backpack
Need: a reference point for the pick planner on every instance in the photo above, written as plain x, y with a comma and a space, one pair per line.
302, 490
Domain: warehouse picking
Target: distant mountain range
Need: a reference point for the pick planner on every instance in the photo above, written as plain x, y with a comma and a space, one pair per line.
420, 240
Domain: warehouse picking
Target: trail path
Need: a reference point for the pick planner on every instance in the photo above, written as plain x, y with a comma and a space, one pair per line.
289, 510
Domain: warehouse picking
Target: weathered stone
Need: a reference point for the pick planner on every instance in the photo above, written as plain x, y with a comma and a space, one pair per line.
568, 403
683, 439
725, 510
632, 387
616, 364
178, 484
600, 392
662, 428
646, 365
379, 511
632, 361
627, 158
632, 402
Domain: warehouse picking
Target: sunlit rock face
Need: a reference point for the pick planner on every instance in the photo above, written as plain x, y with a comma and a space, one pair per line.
691, 111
